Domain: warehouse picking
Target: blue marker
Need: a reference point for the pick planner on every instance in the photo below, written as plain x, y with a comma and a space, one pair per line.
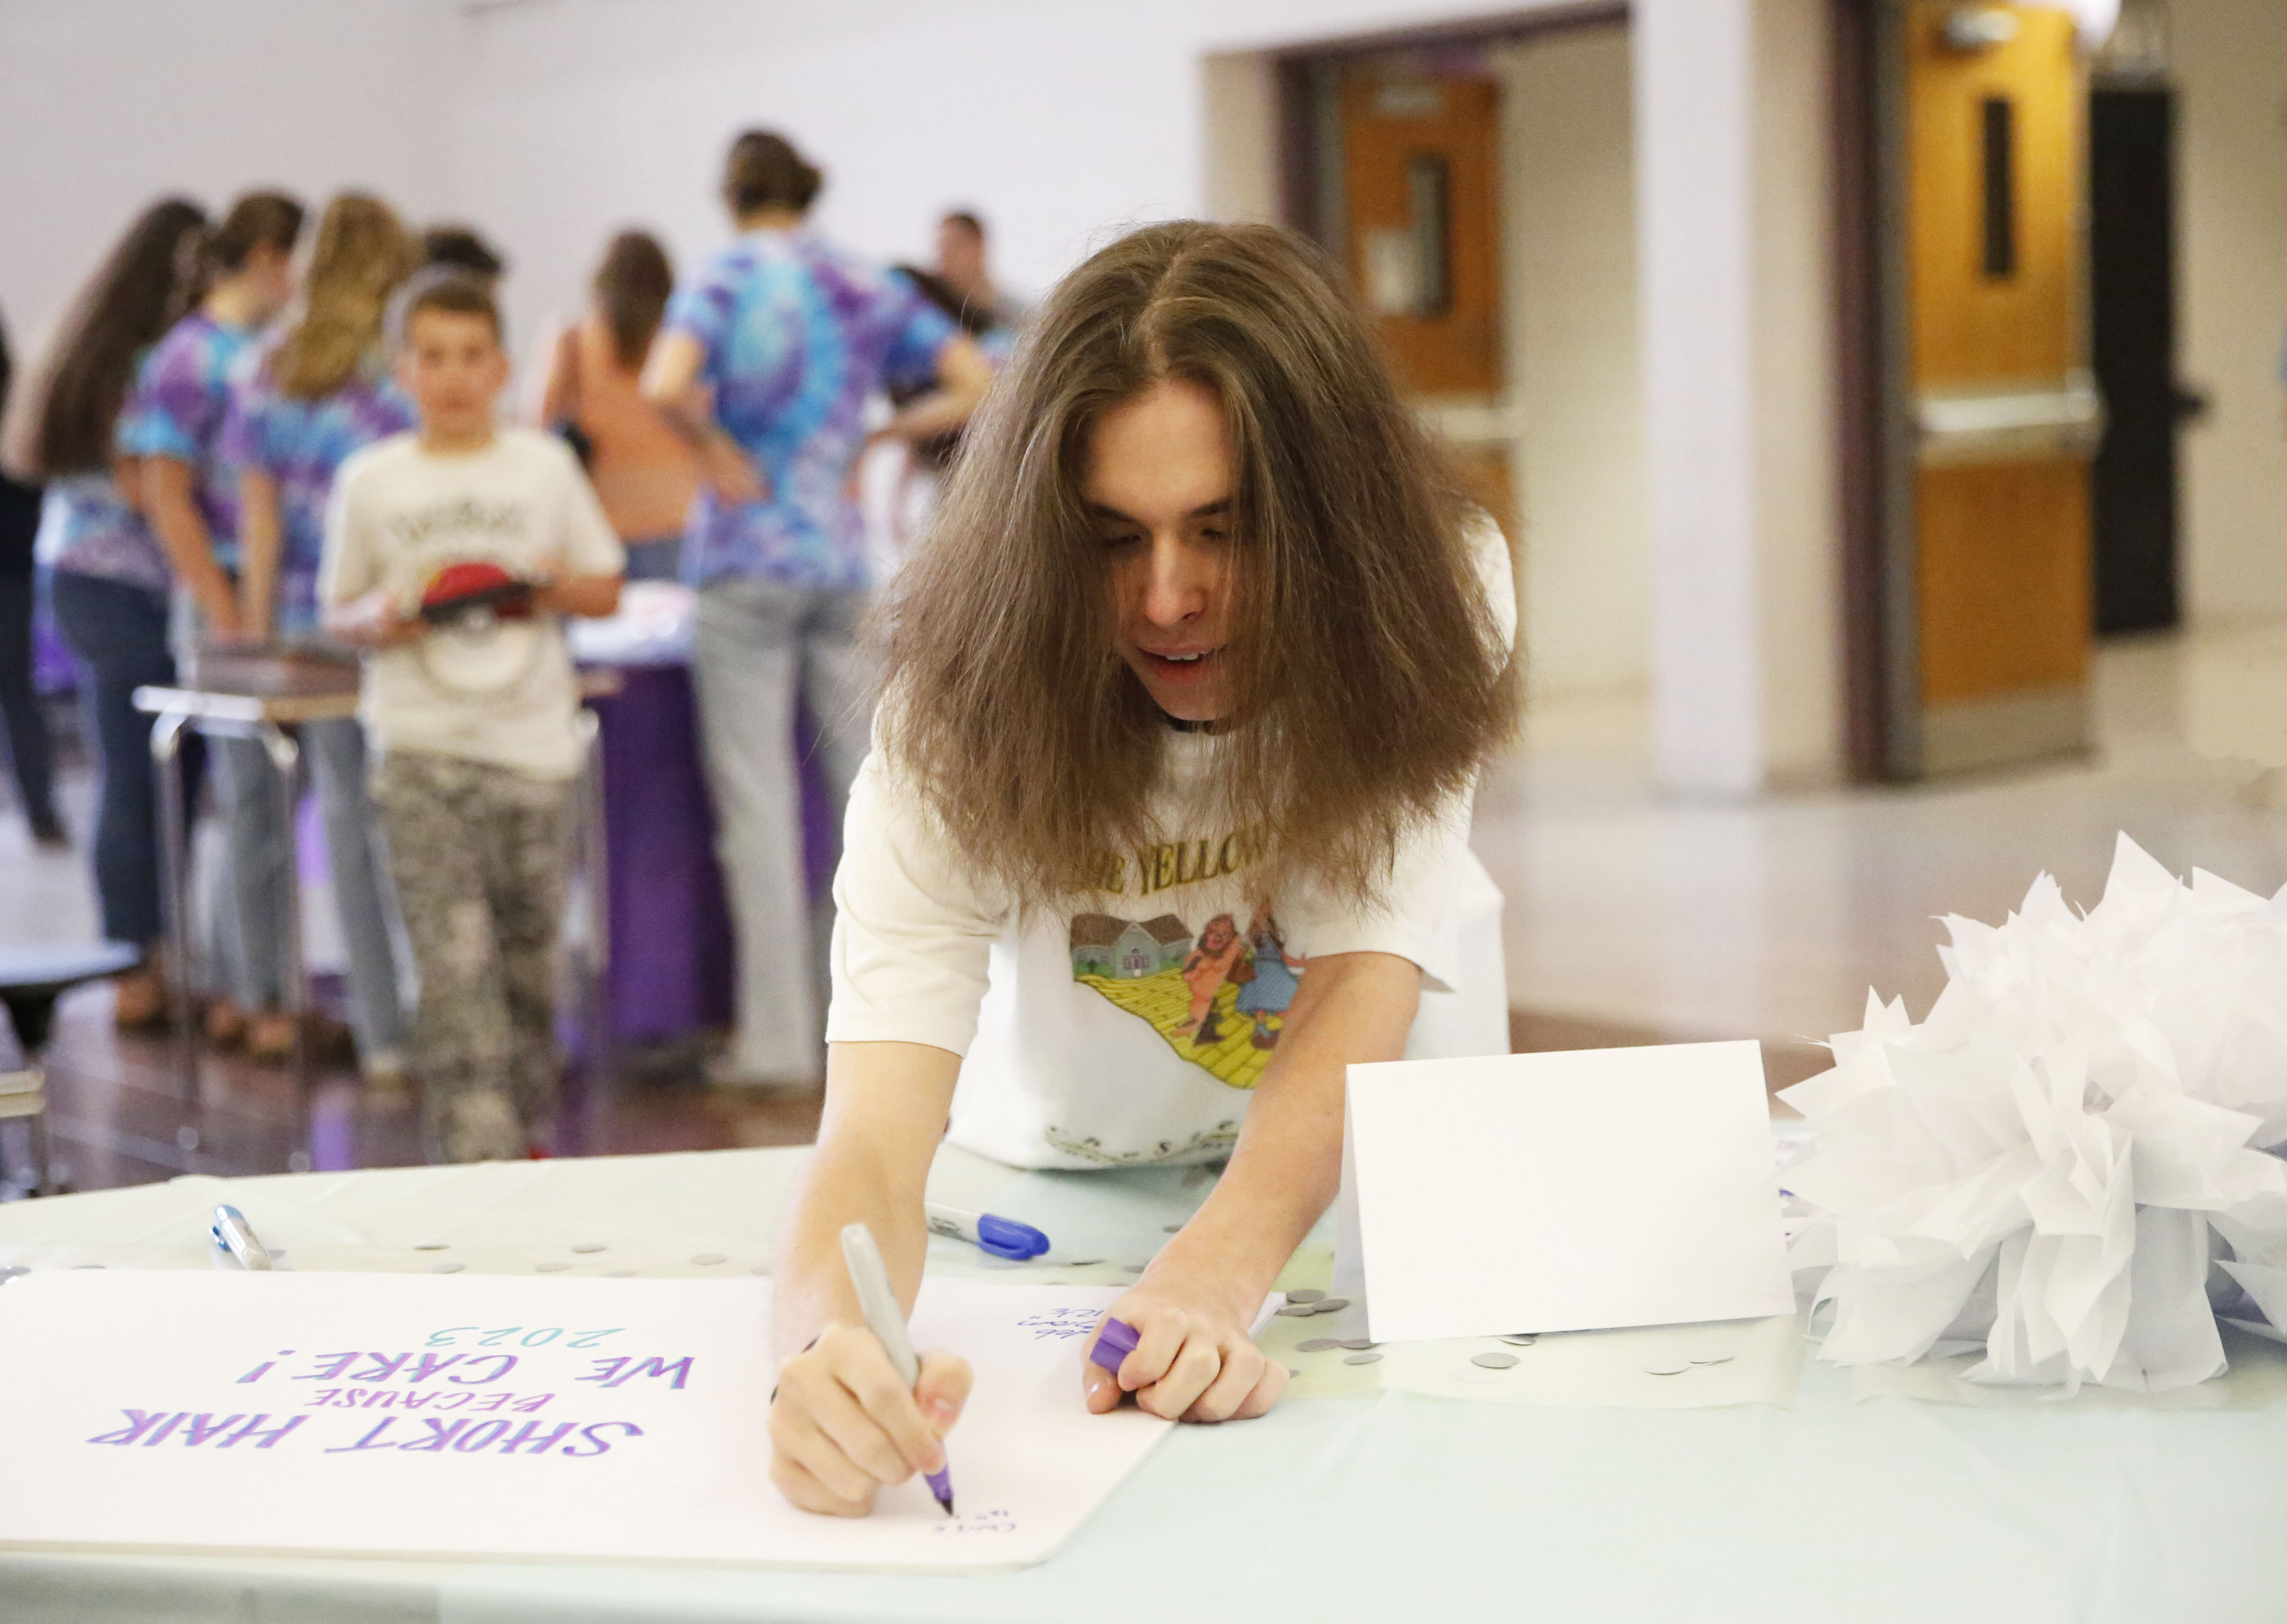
1001, 1237
232, 1230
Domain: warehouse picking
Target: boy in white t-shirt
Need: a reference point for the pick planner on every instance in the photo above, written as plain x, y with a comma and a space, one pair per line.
452, 556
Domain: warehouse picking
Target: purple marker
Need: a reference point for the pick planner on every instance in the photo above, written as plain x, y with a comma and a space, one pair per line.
870, 1279
1112, 1347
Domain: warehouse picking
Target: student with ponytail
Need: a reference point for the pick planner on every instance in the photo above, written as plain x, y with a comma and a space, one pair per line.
321, 392
173, 425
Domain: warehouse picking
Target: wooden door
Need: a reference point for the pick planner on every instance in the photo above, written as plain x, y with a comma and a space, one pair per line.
1420, 160
1421, 173
1997, 360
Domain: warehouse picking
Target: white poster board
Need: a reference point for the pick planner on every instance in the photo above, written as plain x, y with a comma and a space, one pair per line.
1579, 1190
382, 1414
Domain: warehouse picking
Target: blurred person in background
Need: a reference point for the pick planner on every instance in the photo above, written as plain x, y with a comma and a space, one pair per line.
640, 466
323, 391
23, 730
962, 265
110, 577
926, 462
766, 363
174, 423
459, 248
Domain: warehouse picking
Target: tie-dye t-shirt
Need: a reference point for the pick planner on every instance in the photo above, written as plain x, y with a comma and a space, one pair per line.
99, 535
181, 396
796, 335
300, 444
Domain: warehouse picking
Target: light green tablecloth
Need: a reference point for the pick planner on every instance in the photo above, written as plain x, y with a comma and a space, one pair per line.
1387, 1507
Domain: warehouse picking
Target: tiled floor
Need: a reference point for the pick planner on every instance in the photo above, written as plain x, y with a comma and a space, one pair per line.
1634, 917
1772, 918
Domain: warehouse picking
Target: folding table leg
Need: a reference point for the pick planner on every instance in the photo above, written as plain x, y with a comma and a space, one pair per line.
285, 760
174, 874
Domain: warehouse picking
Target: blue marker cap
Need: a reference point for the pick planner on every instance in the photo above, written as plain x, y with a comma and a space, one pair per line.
1007, 1238
1112, 1348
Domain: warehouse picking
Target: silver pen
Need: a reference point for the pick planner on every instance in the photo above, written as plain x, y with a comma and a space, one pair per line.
232, 1230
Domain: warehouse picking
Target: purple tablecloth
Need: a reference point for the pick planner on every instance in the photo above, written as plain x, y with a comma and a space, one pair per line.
671, 951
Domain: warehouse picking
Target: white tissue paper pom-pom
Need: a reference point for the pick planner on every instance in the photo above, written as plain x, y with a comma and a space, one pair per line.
2073, 1153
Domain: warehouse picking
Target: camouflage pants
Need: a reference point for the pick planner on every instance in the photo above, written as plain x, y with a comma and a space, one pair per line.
478, 853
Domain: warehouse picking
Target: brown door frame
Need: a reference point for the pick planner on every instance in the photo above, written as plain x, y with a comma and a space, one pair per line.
1875, 422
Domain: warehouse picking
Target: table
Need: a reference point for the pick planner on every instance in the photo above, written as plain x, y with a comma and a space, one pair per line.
265, 695
672, 954
1388, 1508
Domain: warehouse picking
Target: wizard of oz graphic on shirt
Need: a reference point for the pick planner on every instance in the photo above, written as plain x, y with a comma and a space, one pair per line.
1217, 993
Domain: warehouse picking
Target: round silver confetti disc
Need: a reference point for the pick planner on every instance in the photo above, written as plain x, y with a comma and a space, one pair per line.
87, 1265
1710, 1358
591, 1246
555, 1265
1330, 1305
432, 1245
1494, 1360
451, 1268
1355, 1344
1524, 1340
1306, 1296
1366, 1357
1082, 1263
1317, 1344
1171, 1229
709, 1257
1131, 1268
1674, 1369
1298, 1310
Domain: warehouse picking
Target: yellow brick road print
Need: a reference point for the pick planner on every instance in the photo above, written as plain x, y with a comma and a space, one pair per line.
1165, 1001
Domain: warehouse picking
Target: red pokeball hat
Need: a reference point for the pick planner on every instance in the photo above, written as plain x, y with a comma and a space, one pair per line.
457, 589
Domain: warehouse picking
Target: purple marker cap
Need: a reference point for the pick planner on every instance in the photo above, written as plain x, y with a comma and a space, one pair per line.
1112, 1348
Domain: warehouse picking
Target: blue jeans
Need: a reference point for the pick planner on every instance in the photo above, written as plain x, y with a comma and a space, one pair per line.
261, 847
761, 649
119, 632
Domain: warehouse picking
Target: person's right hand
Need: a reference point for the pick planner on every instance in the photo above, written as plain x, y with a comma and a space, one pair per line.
843, 1426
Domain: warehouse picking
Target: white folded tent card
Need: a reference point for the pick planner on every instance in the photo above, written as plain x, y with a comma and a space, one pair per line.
1565, 1191
382, 1414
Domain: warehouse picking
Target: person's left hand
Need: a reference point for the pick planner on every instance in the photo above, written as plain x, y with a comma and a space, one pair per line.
1194, 1359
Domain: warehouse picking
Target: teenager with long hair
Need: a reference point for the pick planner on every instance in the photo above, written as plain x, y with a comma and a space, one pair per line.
110, 578
1203, 632
173, 424
766, 363
321, 392
639, 466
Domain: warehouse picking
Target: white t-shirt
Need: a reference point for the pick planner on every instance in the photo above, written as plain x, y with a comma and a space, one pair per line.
1130, 1028
496, 688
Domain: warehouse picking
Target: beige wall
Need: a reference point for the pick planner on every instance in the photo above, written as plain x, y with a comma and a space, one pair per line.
1569, 251
1796, 498
2230, 72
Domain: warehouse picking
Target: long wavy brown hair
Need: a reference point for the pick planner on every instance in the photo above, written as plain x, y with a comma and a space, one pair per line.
1370, 673
363, 252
